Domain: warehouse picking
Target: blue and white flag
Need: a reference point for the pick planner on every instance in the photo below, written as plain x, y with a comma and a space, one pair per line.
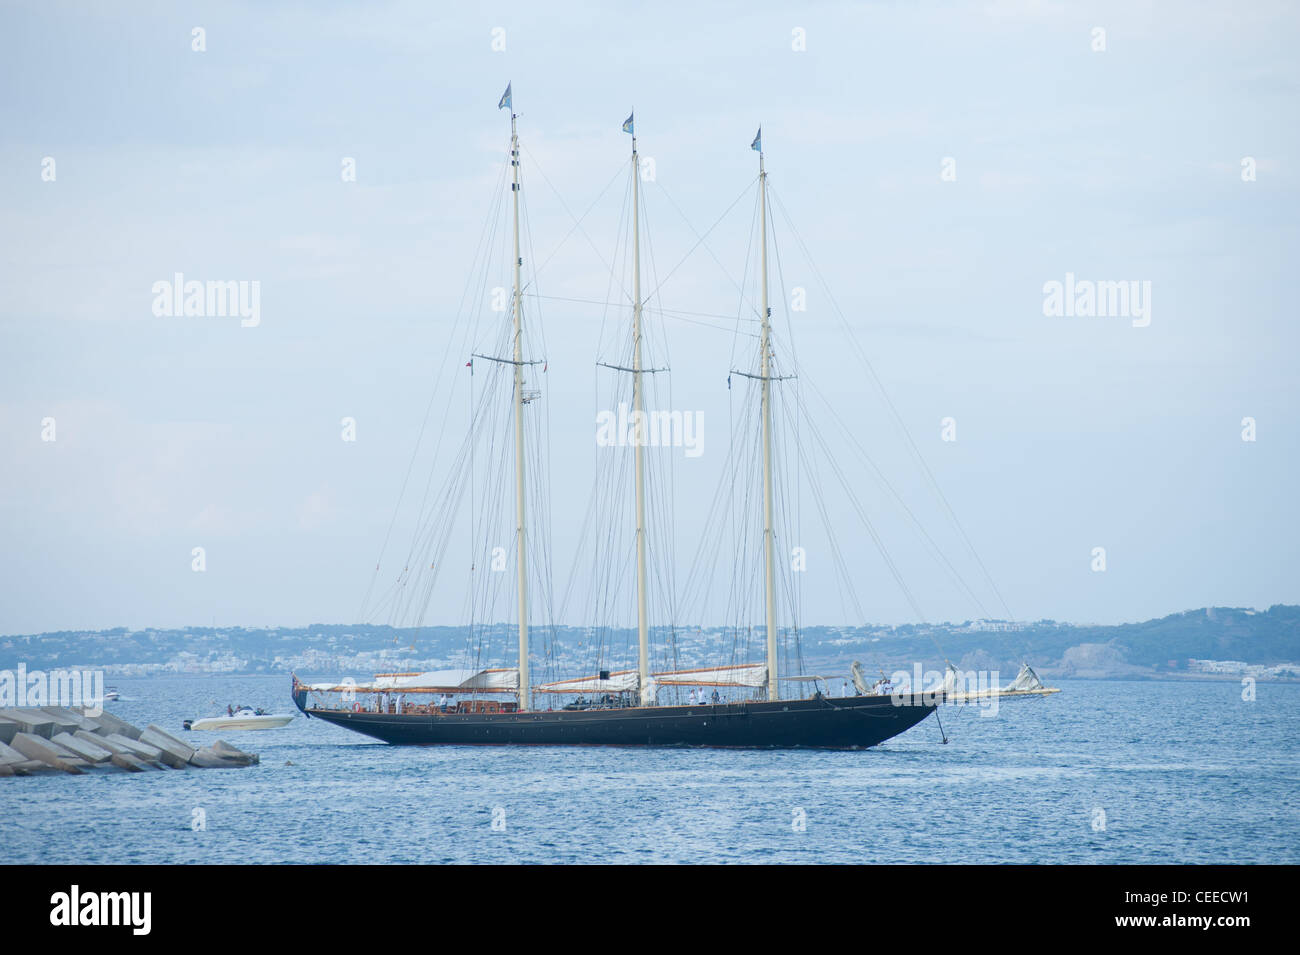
505, 99
627, 124
757, 144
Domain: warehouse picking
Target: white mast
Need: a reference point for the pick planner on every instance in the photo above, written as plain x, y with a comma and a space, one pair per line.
638, 417
520, 535
769, 543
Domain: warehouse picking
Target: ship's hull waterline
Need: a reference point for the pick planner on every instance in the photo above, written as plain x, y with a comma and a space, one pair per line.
817, 723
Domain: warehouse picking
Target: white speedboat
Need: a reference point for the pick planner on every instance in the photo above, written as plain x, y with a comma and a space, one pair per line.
244, 718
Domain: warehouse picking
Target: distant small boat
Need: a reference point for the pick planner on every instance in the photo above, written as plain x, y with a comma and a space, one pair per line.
111, 694
244, 718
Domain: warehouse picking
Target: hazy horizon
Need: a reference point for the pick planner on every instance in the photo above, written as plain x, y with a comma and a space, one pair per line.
657, 626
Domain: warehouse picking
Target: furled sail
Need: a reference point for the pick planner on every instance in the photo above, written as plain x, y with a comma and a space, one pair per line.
951, 679
745, 674
1026, 679
620, 682
860, 680
504, 680
963, 688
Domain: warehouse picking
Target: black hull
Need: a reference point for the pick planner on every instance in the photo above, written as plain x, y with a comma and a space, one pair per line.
841, 723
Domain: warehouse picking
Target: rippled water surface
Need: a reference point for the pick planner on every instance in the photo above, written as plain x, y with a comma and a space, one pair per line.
1108, 772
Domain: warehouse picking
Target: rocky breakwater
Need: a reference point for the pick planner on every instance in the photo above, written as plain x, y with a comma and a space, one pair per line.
71, 740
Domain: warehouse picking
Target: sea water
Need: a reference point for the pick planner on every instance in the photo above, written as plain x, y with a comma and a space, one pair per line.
1107, 772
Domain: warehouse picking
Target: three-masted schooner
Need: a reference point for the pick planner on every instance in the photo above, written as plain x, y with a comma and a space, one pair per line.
496, 706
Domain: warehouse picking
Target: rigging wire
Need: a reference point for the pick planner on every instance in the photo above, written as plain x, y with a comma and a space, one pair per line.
898, 419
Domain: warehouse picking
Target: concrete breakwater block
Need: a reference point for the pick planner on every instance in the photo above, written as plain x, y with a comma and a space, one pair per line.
63, 719
10, 755
33, 722
226, 751
67, 714
116, 749
8, 728
155, 735
34, 747
67, 755
136, 748
14, 763
64, 753
108, 723
91, 752
207, 758
166, 752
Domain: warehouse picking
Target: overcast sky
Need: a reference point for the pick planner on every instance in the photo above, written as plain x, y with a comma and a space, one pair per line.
1160, 151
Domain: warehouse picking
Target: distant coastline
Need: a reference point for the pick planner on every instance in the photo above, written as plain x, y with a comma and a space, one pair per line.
1215, 643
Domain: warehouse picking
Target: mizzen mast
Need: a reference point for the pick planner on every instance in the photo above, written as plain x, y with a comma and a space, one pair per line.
520, 503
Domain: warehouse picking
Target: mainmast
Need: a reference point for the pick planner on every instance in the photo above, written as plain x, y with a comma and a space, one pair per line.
769, 542
520, 532
640, 430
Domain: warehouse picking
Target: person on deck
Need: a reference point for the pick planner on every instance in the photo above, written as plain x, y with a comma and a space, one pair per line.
716, 698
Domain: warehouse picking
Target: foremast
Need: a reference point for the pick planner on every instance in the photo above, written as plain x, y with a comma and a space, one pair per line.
769, 541
520, 503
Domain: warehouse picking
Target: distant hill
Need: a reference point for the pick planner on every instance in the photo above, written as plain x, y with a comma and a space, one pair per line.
1169, 646
1261, 638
